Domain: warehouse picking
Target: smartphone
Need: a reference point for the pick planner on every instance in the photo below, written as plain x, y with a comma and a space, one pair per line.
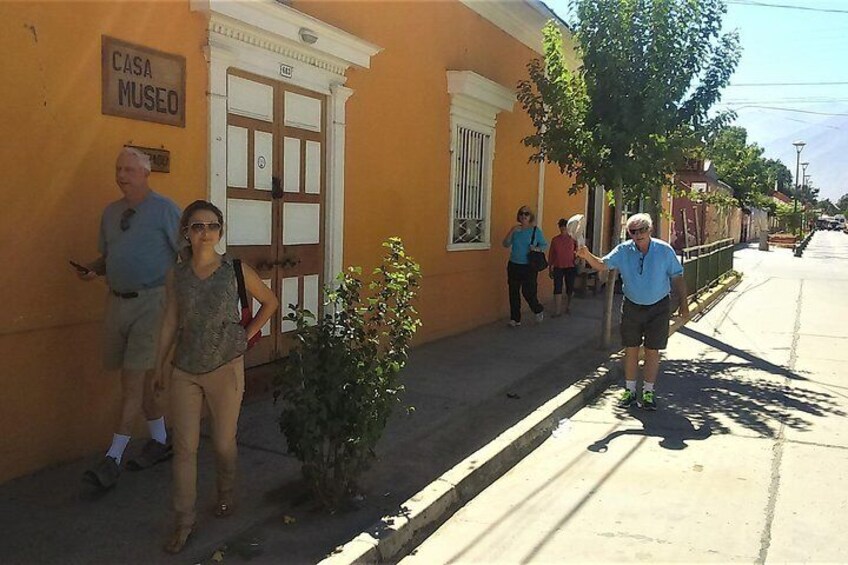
80, 268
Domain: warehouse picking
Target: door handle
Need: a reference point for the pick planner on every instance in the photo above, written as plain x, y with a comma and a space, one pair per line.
287, 262
276, 188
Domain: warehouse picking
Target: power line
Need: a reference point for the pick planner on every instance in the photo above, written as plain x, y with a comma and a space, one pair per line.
789, 84
786, 6
789, 110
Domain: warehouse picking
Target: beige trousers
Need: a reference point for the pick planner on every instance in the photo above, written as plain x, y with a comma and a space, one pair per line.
222, 390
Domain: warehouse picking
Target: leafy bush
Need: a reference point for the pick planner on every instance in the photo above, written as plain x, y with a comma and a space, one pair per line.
340, 381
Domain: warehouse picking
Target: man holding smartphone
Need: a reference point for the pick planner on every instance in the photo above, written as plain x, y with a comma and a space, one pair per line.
649, 267
138, 244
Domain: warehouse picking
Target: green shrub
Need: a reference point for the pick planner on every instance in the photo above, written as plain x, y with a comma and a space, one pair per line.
340, 381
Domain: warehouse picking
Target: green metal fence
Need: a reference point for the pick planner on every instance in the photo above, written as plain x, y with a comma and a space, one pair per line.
705, 264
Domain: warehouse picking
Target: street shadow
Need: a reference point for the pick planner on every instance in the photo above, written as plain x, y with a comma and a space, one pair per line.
673, 428
755, 362
698, 399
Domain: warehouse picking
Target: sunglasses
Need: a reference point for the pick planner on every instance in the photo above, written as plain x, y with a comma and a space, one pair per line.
125, 218
638, 231
200, 227
524, 213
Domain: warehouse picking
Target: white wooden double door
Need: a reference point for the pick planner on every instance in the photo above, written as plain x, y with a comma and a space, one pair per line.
276, 175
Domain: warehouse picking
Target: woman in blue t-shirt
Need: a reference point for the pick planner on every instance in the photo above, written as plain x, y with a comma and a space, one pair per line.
520, 276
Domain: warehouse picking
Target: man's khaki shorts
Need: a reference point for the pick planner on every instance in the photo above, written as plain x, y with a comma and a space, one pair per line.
131, 330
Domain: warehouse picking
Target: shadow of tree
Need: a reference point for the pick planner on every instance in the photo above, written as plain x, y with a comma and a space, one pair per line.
700, 398
755, 362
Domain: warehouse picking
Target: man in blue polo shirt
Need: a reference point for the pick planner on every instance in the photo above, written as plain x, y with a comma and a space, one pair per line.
138, 244
648, 268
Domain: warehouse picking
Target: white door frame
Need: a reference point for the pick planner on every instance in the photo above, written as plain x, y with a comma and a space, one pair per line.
272, 40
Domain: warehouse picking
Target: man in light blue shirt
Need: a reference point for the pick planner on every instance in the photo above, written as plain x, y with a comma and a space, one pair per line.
138, 244
649, 268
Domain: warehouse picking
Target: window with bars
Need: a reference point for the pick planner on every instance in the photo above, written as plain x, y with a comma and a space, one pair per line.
472, 156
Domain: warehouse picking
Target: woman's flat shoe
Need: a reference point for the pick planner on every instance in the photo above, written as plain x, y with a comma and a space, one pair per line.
222, 510
179, 539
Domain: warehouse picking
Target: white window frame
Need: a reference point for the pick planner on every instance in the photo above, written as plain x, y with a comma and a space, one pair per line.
475, 103
486, 185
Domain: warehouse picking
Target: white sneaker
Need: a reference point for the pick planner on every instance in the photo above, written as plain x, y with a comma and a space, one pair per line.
540, 317
514, 324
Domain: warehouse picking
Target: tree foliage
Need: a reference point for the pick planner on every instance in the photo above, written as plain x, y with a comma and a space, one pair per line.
742, 165
649, 72
829, 207
842, 204
340, 380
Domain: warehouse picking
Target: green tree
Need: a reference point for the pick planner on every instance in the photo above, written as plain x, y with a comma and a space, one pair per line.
842, 204
738, 163
829, 207
341, 378
808, 193
779, 176
649, 72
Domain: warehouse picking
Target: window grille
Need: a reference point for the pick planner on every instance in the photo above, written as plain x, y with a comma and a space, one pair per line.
471, 186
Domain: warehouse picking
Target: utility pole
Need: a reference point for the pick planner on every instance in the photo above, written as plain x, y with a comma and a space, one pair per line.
799, 146
803, 192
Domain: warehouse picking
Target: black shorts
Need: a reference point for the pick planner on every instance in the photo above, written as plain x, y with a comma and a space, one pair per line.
648, 324
568, 274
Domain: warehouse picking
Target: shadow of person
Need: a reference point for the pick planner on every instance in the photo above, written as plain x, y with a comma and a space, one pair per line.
673, 428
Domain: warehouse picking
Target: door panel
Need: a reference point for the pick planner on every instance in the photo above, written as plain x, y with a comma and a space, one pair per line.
237, 151
263, 162
291, 155
249, 222
303, 112
312, 180
250, 97
301, 223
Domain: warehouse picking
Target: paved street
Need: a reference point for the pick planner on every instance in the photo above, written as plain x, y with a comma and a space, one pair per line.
746, 460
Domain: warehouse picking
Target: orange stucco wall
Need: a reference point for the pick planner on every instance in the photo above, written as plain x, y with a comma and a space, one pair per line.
58, 168
58, 164
398, 159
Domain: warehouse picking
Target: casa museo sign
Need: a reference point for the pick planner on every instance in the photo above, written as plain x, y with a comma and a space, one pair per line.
142, 84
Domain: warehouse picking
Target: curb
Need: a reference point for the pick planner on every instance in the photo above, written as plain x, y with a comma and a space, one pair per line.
395, 534
425, 511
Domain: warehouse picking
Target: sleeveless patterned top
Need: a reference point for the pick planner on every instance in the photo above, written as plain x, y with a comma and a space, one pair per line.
209, 333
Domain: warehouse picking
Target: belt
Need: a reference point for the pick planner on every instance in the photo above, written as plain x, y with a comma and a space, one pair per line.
124, 294
646, 306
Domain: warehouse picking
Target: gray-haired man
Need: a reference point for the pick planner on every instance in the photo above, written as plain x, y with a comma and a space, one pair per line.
648, 268
138, 245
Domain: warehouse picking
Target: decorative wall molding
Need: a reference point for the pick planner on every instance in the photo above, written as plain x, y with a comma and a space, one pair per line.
522, 19
474, 97
275, 27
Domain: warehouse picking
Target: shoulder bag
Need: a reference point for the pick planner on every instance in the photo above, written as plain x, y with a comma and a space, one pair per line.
246, 309
536, 259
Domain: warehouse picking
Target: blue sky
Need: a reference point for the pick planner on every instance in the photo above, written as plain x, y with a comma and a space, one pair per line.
790, 45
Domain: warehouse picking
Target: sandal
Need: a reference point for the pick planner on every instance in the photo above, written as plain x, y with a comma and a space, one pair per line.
223, 509
179, 538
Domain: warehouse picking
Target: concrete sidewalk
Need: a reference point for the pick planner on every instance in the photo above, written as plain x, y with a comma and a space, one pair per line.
466, 390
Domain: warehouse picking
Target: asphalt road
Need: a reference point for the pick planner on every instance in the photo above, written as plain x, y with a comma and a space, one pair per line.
745, 461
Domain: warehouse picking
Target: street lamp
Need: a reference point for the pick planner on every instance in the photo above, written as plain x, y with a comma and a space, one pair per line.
804, 177
799, 146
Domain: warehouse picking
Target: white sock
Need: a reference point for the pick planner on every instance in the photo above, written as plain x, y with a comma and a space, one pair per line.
648, 387
157, 430
631, 386
119, 444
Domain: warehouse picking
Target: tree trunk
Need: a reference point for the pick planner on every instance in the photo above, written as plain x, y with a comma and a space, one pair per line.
606, 323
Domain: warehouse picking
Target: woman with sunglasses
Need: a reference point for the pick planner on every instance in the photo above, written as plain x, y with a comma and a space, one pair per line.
202, 327
520, 275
